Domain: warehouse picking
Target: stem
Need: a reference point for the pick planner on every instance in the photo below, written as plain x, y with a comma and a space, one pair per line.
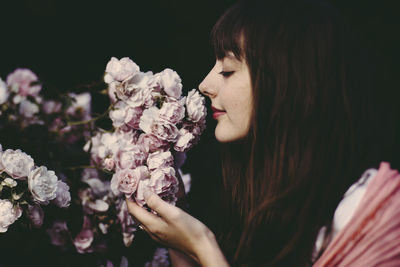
72, 123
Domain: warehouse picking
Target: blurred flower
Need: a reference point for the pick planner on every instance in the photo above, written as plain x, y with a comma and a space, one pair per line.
28, 109
4, 93
36, 215
63, 196
58, 233
85, 237
22, 81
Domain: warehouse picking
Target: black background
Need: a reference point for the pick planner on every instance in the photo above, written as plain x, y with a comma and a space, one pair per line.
68, 43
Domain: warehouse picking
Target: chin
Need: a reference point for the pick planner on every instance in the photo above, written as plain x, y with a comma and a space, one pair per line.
226, 137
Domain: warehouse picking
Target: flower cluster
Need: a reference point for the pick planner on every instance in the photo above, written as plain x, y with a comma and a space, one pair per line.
149, 125
23, 105
25, 187
152, 122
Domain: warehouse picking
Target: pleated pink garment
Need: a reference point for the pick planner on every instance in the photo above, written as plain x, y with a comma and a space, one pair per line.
372, 237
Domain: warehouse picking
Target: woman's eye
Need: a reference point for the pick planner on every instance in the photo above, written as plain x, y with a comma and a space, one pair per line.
226, 73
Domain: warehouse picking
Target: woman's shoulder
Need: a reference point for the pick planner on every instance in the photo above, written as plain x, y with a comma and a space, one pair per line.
366, 225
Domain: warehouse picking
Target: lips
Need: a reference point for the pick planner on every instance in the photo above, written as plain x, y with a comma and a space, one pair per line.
217, 112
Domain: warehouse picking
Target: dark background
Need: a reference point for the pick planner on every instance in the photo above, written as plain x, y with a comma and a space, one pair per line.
68, 44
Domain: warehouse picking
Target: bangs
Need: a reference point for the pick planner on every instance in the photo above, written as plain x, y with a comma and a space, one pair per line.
227, 34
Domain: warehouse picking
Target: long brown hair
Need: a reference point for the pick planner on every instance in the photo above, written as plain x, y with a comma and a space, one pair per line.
284, 180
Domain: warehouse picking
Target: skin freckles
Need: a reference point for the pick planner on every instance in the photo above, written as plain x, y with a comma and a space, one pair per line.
228, 85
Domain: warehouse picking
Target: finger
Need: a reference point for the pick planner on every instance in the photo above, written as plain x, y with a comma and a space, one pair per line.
143, 216
164, 209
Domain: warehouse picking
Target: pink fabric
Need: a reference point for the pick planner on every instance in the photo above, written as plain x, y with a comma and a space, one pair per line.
372, 237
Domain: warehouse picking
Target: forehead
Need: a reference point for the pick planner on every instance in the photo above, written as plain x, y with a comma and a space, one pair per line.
230, 58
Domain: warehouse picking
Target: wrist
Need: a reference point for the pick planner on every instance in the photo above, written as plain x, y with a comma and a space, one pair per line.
208, 252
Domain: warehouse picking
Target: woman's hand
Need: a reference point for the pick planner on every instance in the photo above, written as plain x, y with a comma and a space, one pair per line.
176, 229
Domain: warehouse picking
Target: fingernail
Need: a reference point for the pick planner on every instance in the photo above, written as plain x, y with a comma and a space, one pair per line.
147, 194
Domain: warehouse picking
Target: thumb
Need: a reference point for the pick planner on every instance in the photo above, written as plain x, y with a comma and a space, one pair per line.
154, 202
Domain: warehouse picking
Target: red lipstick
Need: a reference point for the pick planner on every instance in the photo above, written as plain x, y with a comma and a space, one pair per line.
217, 112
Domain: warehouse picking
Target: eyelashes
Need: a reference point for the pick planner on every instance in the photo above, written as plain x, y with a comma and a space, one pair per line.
226, 74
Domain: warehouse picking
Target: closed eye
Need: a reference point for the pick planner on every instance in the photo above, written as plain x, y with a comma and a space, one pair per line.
226, 73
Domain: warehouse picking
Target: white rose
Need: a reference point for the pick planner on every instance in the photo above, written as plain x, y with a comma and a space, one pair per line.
4, 93
8, 214
63, 198
28, 109
43, 184
17, 163
121, 69
195, 106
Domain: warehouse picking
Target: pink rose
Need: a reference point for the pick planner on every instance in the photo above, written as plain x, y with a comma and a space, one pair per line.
118, 114
109, 164
124, 114
142, 97
131, 157
160, 159
165, 130
127, 179
184, 141
151, 123
22, 81
143, 186
162, 180
195, 106
171, 82
172, 111
151, 143
121, 69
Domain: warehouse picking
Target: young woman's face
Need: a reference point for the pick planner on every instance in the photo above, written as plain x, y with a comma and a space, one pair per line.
228, 85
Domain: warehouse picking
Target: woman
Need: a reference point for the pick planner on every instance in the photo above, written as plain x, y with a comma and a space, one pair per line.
289, 92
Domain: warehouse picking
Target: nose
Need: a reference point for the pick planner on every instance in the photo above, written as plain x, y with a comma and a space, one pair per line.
208, 86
